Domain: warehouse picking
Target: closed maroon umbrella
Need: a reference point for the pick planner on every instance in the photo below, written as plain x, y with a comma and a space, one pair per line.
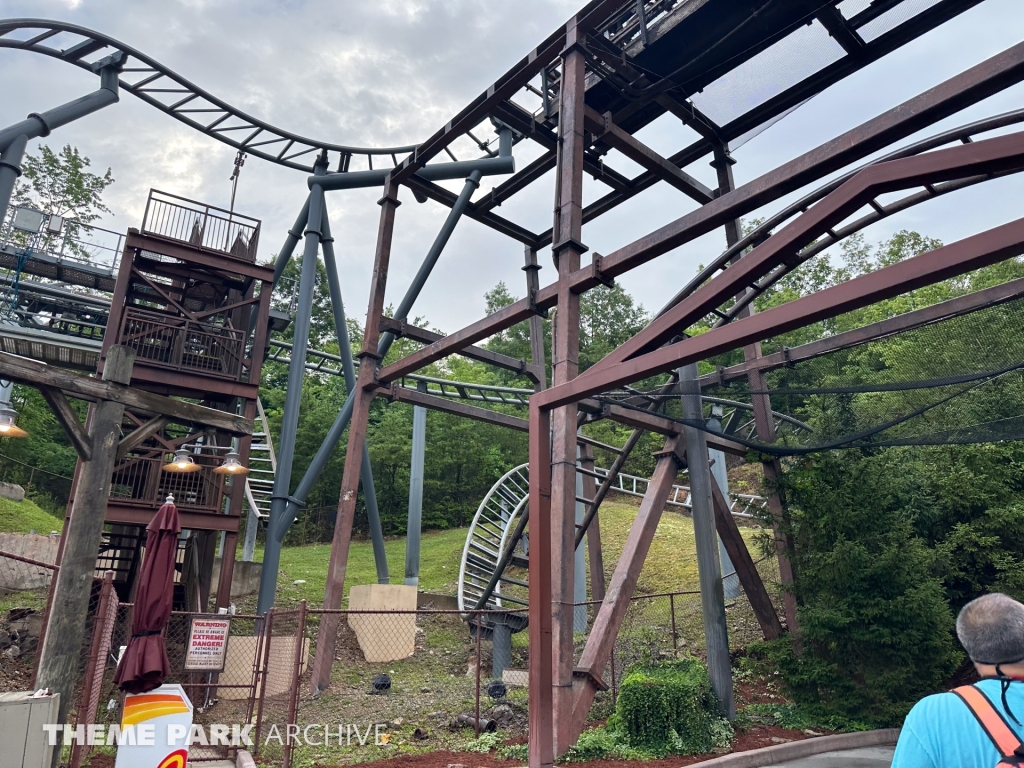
144, 664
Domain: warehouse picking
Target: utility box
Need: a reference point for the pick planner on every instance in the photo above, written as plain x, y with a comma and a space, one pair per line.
24, 740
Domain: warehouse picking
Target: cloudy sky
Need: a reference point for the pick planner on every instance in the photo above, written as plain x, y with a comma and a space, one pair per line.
386, 73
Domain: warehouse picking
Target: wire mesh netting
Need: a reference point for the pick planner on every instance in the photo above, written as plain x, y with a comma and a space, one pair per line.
957, 381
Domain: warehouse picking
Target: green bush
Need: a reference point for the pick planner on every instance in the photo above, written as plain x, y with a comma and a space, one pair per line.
670, 708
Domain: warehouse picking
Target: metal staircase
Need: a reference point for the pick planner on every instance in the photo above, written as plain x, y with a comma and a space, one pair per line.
259, 483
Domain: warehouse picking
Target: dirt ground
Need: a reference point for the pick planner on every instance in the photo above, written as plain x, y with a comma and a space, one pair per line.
756, 737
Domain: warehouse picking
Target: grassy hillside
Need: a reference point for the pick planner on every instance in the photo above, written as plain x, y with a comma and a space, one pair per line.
25, 516
671, 564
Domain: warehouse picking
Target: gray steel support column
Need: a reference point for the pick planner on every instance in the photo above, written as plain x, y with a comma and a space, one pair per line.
10, 170
386, 339
501, 648
712, 597
348, 370
415, 524
281, 513
730, 579
251, 526
14, 139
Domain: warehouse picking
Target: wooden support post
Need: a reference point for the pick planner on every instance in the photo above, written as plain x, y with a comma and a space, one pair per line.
369, 360
65, 628
750, 579
566, 249
597, 653
709, 567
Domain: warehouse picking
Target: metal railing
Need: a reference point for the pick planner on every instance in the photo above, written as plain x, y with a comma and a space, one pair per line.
200, 225
76, 244
183, 345
142, 480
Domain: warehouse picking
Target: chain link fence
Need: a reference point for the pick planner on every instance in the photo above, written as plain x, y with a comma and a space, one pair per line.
400, 681
24, 590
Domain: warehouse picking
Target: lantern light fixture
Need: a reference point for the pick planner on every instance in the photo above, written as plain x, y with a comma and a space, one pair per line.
9, 423
232, 465
183, 462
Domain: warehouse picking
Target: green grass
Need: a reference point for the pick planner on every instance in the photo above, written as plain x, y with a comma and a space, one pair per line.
25, 517
440, 552
671, 564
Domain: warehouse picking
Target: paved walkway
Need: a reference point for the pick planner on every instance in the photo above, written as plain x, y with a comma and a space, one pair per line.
865, 757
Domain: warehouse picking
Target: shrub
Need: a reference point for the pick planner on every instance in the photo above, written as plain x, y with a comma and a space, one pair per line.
670, 708
877, 631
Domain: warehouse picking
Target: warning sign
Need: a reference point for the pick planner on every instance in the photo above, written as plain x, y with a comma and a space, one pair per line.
207, 643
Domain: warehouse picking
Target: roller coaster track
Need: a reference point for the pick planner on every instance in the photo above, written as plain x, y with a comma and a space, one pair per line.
172, 94
494, 525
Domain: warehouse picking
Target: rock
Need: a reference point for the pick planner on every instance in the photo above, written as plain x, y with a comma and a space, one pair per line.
421, 734
504, 715
13, 652
438, 715
809, 732
424, 690
299, 581
5, 639
779, 740
12, 491
457, 765
397, 721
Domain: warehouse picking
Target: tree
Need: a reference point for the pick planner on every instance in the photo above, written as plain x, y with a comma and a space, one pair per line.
59, 184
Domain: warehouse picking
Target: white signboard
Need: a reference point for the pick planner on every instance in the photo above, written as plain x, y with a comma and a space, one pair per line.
154, 729
207, 643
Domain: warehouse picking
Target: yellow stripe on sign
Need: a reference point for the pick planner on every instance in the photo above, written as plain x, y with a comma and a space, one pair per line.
140, 714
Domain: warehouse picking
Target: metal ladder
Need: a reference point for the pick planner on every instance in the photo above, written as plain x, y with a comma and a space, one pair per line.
259, 483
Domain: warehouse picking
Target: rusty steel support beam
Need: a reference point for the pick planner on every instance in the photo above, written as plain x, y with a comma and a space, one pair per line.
750, 579
605, 130
541, 739
503, 88
415, 397
961, 305
403, 329
986, 156
601, 642
369, 359
593, 528
952, 260
969, 87
567, 249
537, 354
763, 419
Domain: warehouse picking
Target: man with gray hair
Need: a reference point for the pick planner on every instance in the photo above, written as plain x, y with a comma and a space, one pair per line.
974, 725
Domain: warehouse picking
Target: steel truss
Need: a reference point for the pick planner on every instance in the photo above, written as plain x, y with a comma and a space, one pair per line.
588, 88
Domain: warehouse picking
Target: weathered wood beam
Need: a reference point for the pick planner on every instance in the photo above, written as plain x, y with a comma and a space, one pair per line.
68, 419
21, 370
139, 435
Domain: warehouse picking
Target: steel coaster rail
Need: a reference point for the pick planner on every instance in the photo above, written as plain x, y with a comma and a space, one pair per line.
491, 533
189, 103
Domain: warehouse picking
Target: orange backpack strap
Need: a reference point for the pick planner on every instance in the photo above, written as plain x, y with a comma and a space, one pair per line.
1003, 738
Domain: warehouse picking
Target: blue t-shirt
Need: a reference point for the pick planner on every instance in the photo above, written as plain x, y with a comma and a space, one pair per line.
941, 732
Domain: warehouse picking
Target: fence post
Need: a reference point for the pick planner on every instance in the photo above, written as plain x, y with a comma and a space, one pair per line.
268, 628
86, 713
479, 631
675, 634
293, 698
